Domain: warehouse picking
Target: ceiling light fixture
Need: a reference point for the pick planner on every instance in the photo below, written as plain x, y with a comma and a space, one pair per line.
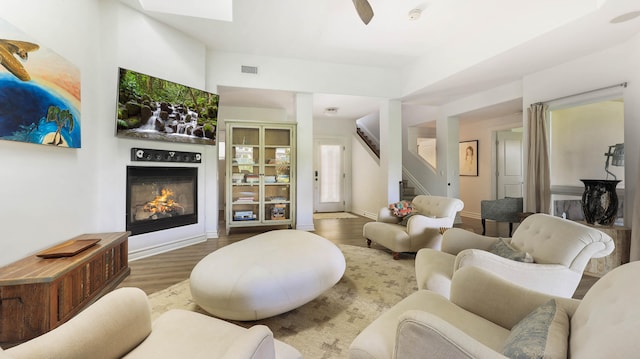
331, 111
415, 14
625, 17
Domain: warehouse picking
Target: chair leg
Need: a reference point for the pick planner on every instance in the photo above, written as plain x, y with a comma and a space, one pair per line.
484, 222
368, 243
510, 228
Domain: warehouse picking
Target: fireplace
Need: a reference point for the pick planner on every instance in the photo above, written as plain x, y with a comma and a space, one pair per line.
160, 198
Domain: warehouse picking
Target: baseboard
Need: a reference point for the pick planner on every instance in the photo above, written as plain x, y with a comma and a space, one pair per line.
308, 227
165, 247
472, 215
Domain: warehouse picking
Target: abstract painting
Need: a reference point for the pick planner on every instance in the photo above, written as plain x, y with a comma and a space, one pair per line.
39, 92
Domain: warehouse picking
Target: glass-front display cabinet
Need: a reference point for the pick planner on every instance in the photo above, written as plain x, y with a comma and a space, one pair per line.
260, 187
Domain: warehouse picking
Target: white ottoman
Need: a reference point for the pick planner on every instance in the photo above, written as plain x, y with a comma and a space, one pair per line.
266, 275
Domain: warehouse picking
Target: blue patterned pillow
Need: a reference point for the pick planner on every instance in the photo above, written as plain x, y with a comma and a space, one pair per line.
503, 249
544, 333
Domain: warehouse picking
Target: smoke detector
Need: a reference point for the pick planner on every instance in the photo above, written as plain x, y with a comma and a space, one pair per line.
415, 14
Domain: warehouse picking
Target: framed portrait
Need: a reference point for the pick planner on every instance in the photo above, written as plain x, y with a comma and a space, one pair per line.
468, 152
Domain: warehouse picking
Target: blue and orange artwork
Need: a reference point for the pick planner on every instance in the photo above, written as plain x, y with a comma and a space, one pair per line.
39, 92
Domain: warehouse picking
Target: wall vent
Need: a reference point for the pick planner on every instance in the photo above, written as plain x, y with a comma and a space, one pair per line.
249, 69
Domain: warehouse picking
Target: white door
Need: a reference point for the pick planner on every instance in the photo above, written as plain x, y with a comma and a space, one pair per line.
329, 175
510, 181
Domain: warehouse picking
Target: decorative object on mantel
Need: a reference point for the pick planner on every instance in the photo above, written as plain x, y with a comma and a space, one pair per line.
600, 200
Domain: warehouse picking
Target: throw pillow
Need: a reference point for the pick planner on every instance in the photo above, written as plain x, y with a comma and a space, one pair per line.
544, 333
401, 209
405, 219
501, 248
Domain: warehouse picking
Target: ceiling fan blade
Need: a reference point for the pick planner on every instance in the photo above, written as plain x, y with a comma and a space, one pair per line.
364, 10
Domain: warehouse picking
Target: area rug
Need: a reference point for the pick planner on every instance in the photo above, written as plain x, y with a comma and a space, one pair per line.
325, 327
334, 215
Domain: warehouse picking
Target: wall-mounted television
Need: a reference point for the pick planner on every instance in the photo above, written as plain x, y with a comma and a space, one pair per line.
150, 108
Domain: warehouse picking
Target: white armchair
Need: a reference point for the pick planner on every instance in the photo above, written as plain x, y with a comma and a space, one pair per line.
560, 250
119, 325
488, 317
423, 228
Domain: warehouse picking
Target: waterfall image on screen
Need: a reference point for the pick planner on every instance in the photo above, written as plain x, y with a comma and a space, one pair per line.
154, 109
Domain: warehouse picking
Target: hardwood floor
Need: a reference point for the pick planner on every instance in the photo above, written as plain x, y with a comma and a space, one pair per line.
163, 270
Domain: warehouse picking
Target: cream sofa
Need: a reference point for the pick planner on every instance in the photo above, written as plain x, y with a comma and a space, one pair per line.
560, 250
486, 318
119, 325
423, 229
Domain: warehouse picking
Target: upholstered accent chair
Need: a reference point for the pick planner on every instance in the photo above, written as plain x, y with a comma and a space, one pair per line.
119, 325
553, 255
506, 209
489, 317
423, 229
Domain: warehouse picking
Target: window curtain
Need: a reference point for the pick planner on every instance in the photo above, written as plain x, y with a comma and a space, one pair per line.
538, 171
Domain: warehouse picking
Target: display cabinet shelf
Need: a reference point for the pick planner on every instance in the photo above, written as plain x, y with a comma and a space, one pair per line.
260, 174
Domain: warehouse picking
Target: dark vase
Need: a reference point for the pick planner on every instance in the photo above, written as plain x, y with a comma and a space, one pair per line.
600, 201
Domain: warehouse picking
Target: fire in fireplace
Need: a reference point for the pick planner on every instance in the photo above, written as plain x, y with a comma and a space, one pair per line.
161, 197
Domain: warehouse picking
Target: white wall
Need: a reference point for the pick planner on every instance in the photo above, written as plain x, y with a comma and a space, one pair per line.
61, 193
475, 189
367, 181
49, 194
411, 162
612, 66
55, 194
579, 138
162, 51
223, 69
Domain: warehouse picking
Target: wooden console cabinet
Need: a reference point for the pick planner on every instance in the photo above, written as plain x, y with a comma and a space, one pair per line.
38, 294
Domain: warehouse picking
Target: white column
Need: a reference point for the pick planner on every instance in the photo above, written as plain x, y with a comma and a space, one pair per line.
448, 138
391, 147
211, 184
304, 162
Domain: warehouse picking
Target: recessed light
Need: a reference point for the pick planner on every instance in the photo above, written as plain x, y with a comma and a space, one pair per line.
625, 17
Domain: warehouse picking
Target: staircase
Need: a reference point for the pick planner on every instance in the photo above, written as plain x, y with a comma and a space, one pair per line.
370, 143
406, 192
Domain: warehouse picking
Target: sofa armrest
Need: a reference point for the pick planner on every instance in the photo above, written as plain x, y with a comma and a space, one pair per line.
421, 332
109, 328
256, 342
497, 299
385, 215
554, 279
456, 240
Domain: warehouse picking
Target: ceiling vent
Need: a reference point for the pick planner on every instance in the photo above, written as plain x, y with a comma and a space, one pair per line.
249, 69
